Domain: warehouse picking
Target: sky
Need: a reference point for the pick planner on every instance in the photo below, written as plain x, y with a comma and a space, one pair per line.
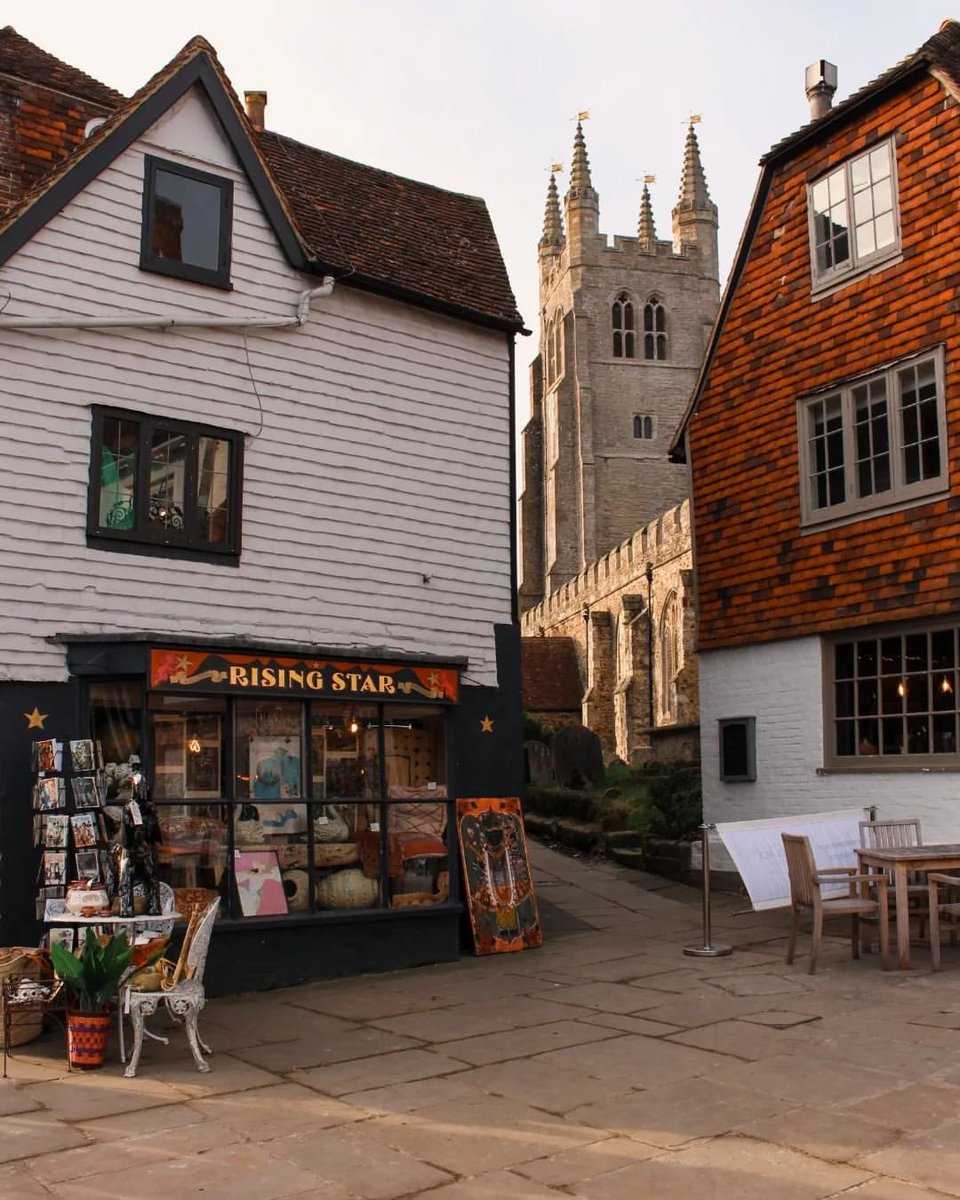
482, 96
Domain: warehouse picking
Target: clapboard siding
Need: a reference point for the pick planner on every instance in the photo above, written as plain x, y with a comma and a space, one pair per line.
377, 443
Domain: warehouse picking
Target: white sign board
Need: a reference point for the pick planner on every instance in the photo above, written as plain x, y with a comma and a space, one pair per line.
757, 850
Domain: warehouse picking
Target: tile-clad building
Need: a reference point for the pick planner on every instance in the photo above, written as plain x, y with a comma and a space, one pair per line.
823, 438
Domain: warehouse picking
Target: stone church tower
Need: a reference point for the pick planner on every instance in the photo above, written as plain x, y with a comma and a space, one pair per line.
623, 328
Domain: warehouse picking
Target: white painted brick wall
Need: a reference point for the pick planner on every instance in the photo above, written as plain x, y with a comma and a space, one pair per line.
780, 685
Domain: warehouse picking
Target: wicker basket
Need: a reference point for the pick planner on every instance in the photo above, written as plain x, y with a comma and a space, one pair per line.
26, 1019
347, 889
335, 854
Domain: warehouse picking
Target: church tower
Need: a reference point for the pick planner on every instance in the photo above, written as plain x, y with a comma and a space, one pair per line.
623, 328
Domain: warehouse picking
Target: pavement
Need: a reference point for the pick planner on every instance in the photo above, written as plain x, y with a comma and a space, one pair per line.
604, 1066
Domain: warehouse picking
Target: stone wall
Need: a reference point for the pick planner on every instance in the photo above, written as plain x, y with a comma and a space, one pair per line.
617, 615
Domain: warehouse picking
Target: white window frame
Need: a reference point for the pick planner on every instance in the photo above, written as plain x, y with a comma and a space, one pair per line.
847, 177
843, 398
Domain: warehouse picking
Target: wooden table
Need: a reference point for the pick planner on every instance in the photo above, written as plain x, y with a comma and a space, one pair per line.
900, 861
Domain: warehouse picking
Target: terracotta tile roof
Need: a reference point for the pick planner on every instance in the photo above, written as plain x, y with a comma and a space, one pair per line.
368, 227
400, 232
550, 675
23, 60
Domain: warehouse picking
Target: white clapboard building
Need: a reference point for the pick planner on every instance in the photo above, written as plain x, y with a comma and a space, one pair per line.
256, 513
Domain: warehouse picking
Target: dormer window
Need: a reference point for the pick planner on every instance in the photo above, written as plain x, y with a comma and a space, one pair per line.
187, 219
624, 335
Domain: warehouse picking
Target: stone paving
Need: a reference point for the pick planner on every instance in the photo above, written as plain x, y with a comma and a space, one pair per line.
606, 1065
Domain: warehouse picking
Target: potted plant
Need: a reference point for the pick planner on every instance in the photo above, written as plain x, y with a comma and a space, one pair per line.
91, 979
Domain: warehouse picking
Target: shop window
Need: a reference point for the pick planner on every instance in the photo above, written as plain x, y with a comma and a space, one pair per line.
116, 723
738, 749
891, 699
624, 330
163, 484
187, 217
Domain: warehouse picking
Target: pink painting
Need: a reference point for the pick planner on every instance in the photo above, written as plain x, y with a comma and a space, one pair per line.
259, 883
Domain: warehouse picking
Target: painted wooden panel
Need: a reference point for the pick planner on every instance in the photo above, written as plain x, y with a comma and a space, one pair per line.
376, 490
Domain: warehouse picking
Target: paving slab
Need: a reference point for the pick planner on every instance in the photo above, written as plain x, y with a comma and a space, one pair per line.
571, 1167
323, 1049
927, 1159
495, 1185
365, 1073
521, 1043
822, 1132
25, 1135
275, 1111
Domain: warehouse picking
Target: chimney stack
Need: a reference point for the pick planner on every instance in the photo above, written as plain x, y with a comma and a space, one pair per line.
821, 84
256, 103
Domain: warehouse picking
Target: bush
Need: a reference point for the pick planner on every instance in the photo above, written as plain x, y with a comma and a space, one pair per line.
675, 801
533, 731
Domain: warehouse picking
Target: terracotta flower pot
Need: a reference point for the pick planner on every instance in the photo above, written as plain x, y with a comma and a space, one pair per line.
87, 1037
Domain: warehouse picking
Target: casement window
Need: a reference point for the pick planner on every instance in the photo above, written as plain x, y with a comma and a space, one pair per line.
187, 219
876, 442
737, 739
643, 426
654, 330
890, 698
162, 486
624, 329
854, 223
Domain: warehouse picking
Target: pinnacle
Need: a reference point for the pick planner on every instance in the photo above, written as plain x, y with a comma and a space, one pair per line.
552, 221
694, 195
580, 184
646, 231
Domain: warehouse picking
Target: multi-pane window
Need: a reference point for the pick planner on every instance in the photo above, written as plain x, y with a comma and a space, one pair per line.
187, 216
853, 215
164, 483
643, 426
875, 442
654, 330
624, 332
892, 698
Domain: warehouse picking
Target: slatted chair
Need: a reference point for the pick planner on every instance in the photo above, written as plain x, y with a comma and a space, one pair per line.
183, 994
805, 884
879, 835
942, 904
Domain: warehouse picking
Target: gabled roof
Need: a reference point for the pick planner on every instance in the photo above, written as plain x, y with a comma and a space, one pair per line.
549, 674
394, 234
938, 56
23, 60
374, 230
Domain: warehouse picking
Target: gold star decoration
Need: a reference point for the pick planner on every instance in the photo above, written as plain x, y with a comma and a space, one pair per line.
486, 725
35, 719
184, 664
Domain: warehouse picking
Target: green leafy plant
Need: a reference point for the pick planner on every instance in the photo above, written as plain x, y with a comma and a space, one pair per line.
92, 977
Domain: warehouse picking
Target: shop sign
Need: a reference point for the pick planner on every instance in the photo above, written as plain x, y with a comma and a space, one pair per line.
180, 670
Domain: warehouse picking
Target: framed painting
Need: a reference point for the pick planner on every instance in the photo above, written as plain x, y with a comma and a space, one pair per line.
259, 883
496, 874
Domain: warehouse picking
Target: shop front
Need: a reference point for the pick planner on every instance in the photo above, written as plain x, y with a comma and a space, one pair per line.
314, 793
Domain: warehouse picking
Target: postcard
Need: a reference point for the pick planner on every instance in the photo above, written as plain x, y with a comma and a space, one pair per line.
50, 793
55, 830
81, 755
49, 755
86, 834
88, 864
62, 936
54, 867
85, 791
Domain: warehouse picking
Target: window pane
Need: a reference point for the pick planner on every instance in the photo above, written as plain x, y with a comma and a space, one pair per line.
846, 738
880, 162
944, 735
213, 489
825, 425
345, 751
414, 748
417, 853
918, 735
268, 750
945, 692
186, 220
891, 662
843, 661
892, 736
628, 316
942, 649
867, 698
187, 749
915, 656
118, 473
872, 438
844, 700
891, 698
866, 658
116, 715
193, 852
866, 240
868, 737
860, 173
168, 455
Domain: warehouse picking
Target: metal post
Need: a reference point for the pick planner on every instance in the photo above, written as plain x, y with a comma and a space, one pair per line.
709, 949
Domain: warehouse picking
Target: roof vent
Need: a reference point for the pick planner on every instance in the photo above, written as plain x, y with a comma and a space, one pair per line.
92, 126
821, 83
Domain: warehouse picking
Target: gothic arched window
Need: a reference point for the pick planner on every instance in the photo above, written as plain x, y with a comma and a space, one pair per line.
558, 345
624, 335
668, 659
654, 330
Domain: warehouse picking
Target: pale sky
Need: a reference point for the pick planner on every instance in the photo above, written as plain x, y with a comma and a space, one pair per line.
481, 96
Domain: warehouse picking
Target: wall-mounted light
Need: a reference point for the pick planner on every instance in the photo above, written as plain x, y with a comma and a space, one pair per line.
946, 686
901, 688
